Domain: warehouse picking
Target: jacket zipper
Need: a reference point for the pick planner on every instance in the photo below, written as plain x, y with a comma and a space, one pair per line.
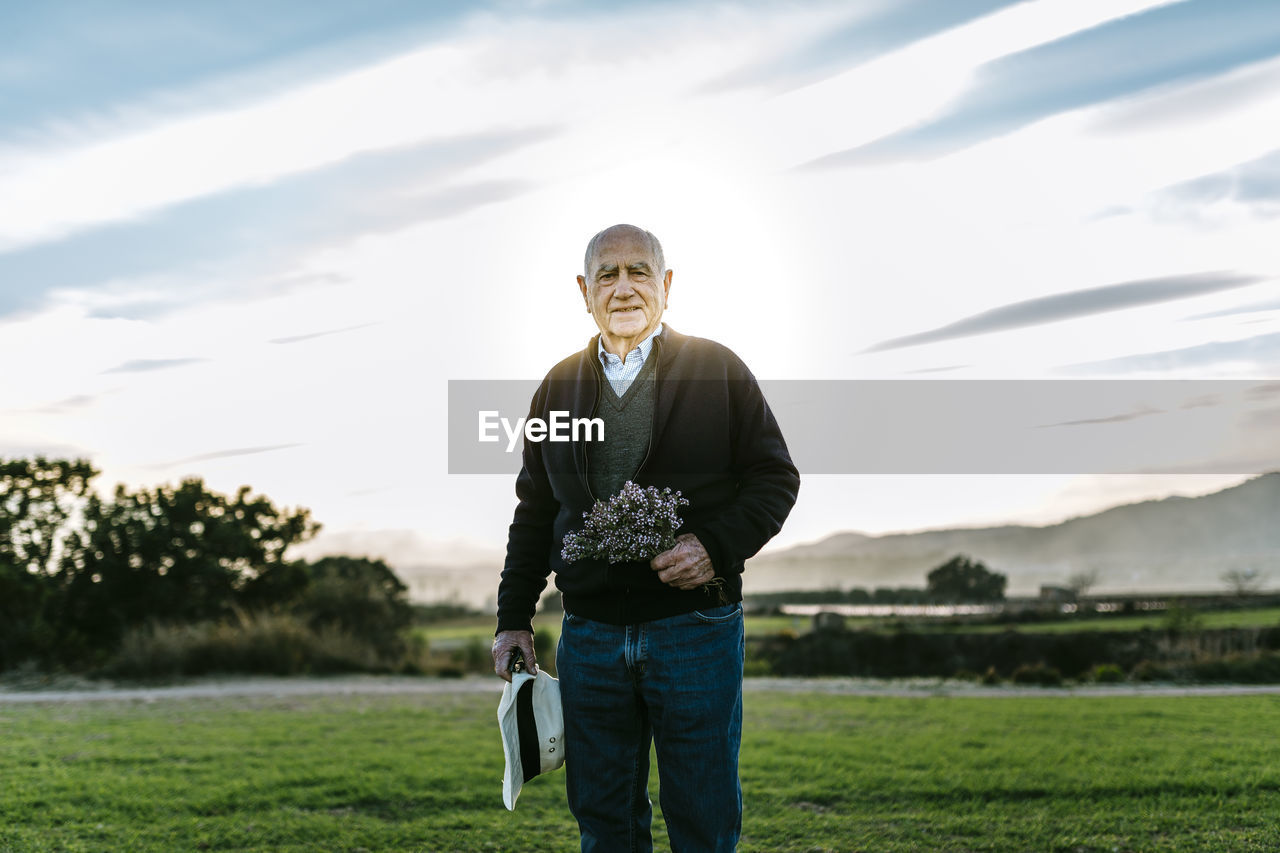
653, 418
586, 457
653, 422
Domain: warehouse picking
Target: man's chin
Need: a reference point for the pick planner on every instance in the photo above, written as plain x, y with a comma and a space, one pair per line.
627, 328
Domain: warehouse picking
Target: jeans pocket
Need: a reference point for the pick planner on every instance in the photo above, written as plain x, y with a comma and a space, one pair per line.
718, 615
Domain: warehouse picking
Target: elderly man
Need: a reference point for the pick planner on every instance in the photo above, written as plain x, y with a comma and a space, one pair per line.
648, 651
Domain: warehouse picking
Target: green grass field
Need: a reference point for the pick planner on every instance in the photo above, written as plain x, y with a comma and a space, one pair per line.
1261, 617
820, 772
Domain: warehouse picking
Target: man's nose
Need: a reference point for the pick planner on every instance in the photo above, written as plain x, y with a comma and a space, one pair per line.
624, 285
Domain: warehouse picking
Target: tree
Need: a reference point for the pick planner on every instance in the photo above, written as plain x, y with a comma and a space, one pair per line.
179, 554
38, 498
962, 579
360, 596
1080, 582
24, 630
1243, 581
277, 586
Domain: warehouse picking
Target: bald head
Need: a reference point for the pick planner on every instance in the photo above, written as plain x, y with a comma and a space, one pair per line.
624, 232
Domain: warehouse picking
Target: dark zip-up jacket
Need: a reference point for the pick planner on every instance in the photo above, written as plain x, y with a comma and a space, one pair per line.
713, 438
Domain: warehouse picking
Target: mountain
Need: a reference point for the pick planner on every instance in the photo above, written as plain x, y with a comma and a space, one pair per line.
1173, 544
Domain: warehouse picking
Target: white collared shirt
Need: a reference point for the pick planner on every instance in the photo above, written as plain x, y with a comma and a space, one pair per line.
619, 373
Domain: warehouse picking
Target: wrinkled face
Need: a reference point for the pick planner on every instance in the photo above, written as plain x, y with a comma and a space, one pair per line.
624, 289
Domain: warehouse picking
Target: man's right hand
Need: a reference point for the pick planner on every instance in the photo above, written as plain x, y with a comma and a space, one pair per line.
504, 644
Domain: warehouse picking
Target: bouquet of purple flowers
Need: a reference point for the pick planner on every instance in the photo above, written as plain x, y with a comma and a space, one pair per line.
634, 525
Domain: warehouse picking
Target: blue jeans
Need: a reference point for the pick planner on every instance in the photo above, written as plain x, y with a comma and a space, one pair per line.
678, 681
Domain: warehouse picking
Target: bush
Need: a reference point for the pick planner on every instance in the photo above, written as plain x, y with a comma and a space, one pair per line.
1106, 673
1147, 670
755, 667
991, 676
427, 614
1181, 619
1261, 668
544, 648
477, 657
262, 643
1076, 654
358, 596
417, 654
25, 632
1037, 673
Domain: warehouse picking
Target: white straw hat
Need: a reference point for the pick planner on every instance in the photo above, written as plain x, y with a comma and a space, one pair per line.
532, 727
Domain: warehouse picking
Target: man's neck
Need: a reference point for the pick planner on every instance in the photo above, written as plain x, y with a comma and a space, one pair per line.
622, 347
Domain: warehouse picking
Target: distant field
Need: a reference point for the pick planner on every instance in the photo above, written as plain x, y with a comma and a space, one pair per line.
820, 772
457, 632
1263, 617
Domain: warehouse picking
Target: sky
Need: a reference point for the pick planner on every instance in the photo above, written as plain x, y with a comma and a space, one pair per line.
253, 242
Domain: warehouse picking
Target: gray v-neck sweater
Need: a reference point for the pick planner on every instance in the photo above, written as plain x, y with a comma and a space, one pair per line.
628, 425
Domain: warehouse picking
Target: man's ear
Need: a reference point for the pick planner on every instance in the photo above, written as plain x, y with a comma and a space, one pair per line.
582, 285
666, 287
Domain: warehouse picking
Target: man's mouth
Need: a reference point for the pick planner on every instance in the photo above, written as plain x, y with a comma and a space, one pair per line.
626, 310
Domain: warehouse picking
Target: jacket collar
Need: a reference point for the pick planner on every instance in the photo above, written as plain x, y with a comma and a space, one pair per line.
665, 345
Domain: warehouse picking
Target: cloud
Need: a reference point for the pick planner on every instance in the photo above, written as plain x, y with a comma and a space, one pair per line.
1111, 419
1180, 42
49, 450
871, 33
67, 404
1263, 391
147, 300
1262, 352
1249, 308
946, 369
293, 339
54, 190
515, 66
225, 454
142, 365
221, 237
168, 56
1254, 185
1076, 303
1204, 401
1202, 101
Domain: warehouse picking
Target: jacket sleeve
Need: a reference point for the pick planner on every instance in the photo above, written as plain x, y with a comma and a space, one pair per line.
767, 482
524, 573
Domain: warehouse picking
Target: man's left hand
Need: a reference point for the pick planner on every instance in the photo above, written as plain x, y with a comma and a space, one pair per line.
686, 566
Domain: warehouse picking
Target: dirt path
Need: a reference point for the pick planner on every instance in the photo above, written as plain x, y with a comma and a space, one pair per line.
400, 685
